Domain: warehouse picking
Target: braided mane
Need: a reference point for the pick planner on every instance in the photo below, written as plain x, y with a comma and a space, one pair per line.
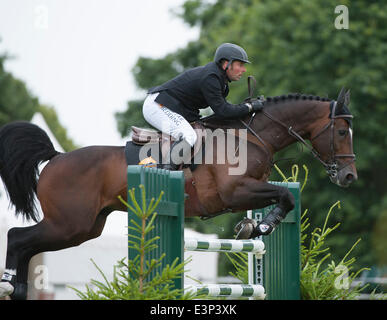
293, 96
224, 123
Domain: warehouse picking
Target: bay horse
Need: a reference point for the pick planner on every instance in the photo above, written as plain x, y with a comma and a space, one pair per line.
77, 190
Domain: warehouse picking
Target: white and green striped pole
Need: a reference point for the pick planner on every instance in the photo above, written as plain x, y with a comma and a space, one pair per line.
255, 291
256, 247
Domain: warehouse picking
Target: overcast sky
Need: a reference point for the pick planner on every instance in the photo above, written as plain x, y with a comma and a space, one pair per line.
77, 56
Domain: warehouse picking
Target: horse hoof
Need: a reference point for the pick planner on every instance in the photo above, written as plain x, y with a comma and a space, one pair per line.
6, 289
245, 228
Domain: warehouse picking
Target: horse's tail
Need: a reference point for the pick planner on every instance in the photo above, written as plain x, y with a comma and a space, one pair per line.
23, 146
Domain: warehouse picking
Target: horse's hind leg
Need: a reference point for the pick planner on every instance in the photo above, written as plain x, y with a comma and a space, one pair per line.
14, 280
24, 243
8, 280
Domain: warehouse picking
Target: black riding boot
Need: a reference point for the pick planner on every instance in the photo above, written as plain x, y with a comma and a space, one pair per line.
180, 153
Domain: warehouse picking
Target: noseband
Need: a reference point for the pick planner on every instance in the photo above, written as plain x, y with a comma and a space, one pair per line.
331, 166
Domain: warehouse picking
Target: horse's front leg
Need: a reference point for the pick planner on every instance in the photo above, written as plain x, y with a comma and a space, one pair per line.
254, 194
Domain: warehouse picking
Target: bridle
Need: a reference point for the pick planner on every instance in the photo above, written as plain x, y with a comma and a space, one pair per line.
331, 165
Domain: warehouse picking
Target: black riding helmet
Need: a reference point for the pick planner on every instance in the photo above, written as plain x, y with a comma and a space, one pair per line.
230, 52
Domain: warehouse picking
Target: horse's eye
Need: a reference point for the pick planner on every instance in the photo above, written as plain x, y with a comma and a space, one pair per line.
343, 132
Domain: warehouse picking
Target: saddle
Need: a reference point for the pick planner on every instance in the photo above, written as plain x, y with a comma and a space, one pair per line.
142, 136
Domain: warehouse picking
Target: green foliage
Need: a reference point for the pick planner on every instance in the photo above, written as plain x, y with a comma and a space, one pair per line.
18, 103
379, 233
133, 280
51, 118
334, 281
131, 117
152, 72
239, 261
319, 280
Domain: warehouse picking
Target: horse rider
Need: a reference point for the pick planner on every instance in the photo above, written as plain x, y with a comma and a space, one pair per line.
171, 106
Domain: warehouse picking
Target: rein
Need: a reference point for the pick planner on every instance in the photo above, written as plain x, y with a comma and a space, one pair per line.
331, 165
251, 84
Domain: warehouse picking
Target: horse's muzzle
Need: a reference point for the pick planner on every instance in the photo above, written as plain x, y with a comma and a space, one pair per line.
344, 177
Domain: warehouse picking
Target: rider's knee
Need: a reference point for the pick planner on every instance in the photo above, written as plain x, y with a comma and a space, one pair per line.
191, 137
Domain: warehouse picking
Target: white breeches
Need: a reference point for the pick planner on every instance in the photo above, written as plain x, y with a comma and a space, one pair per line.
167, 121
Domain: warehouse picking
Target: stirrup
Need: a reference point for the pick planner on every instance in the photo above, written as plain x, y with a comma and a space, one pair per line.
169, 165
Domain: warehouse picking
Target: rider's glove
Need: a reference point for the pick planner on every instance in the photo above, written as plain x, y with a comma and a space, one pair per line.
255, 105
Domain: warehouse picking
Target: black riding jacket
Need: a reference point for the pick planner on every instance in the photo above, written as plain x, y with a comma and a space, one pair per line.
196, 89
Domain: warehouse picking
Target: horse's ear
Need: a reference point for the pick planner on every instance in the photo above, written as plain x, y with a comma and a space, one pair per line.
340, 100
347, 98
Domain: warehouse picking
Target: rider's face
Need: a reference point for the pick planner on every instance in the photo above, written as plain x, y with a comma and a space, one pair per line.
236, 70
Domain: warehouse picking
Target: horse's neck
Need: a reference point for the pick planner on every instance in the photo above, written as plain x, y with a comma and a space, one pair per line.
302, 115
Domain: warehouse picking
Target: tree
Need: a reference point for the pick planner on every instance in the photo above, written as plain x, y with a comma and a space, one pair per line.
52, 120
17, 103
295, 47
151, 72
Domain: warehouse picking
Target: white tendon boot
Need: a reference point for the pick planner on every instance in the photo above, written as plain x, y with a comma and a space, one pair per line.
6, 289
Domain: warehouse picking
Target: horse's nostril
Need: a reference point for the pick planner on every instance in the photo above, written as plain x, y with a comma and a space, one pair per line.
350, 177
